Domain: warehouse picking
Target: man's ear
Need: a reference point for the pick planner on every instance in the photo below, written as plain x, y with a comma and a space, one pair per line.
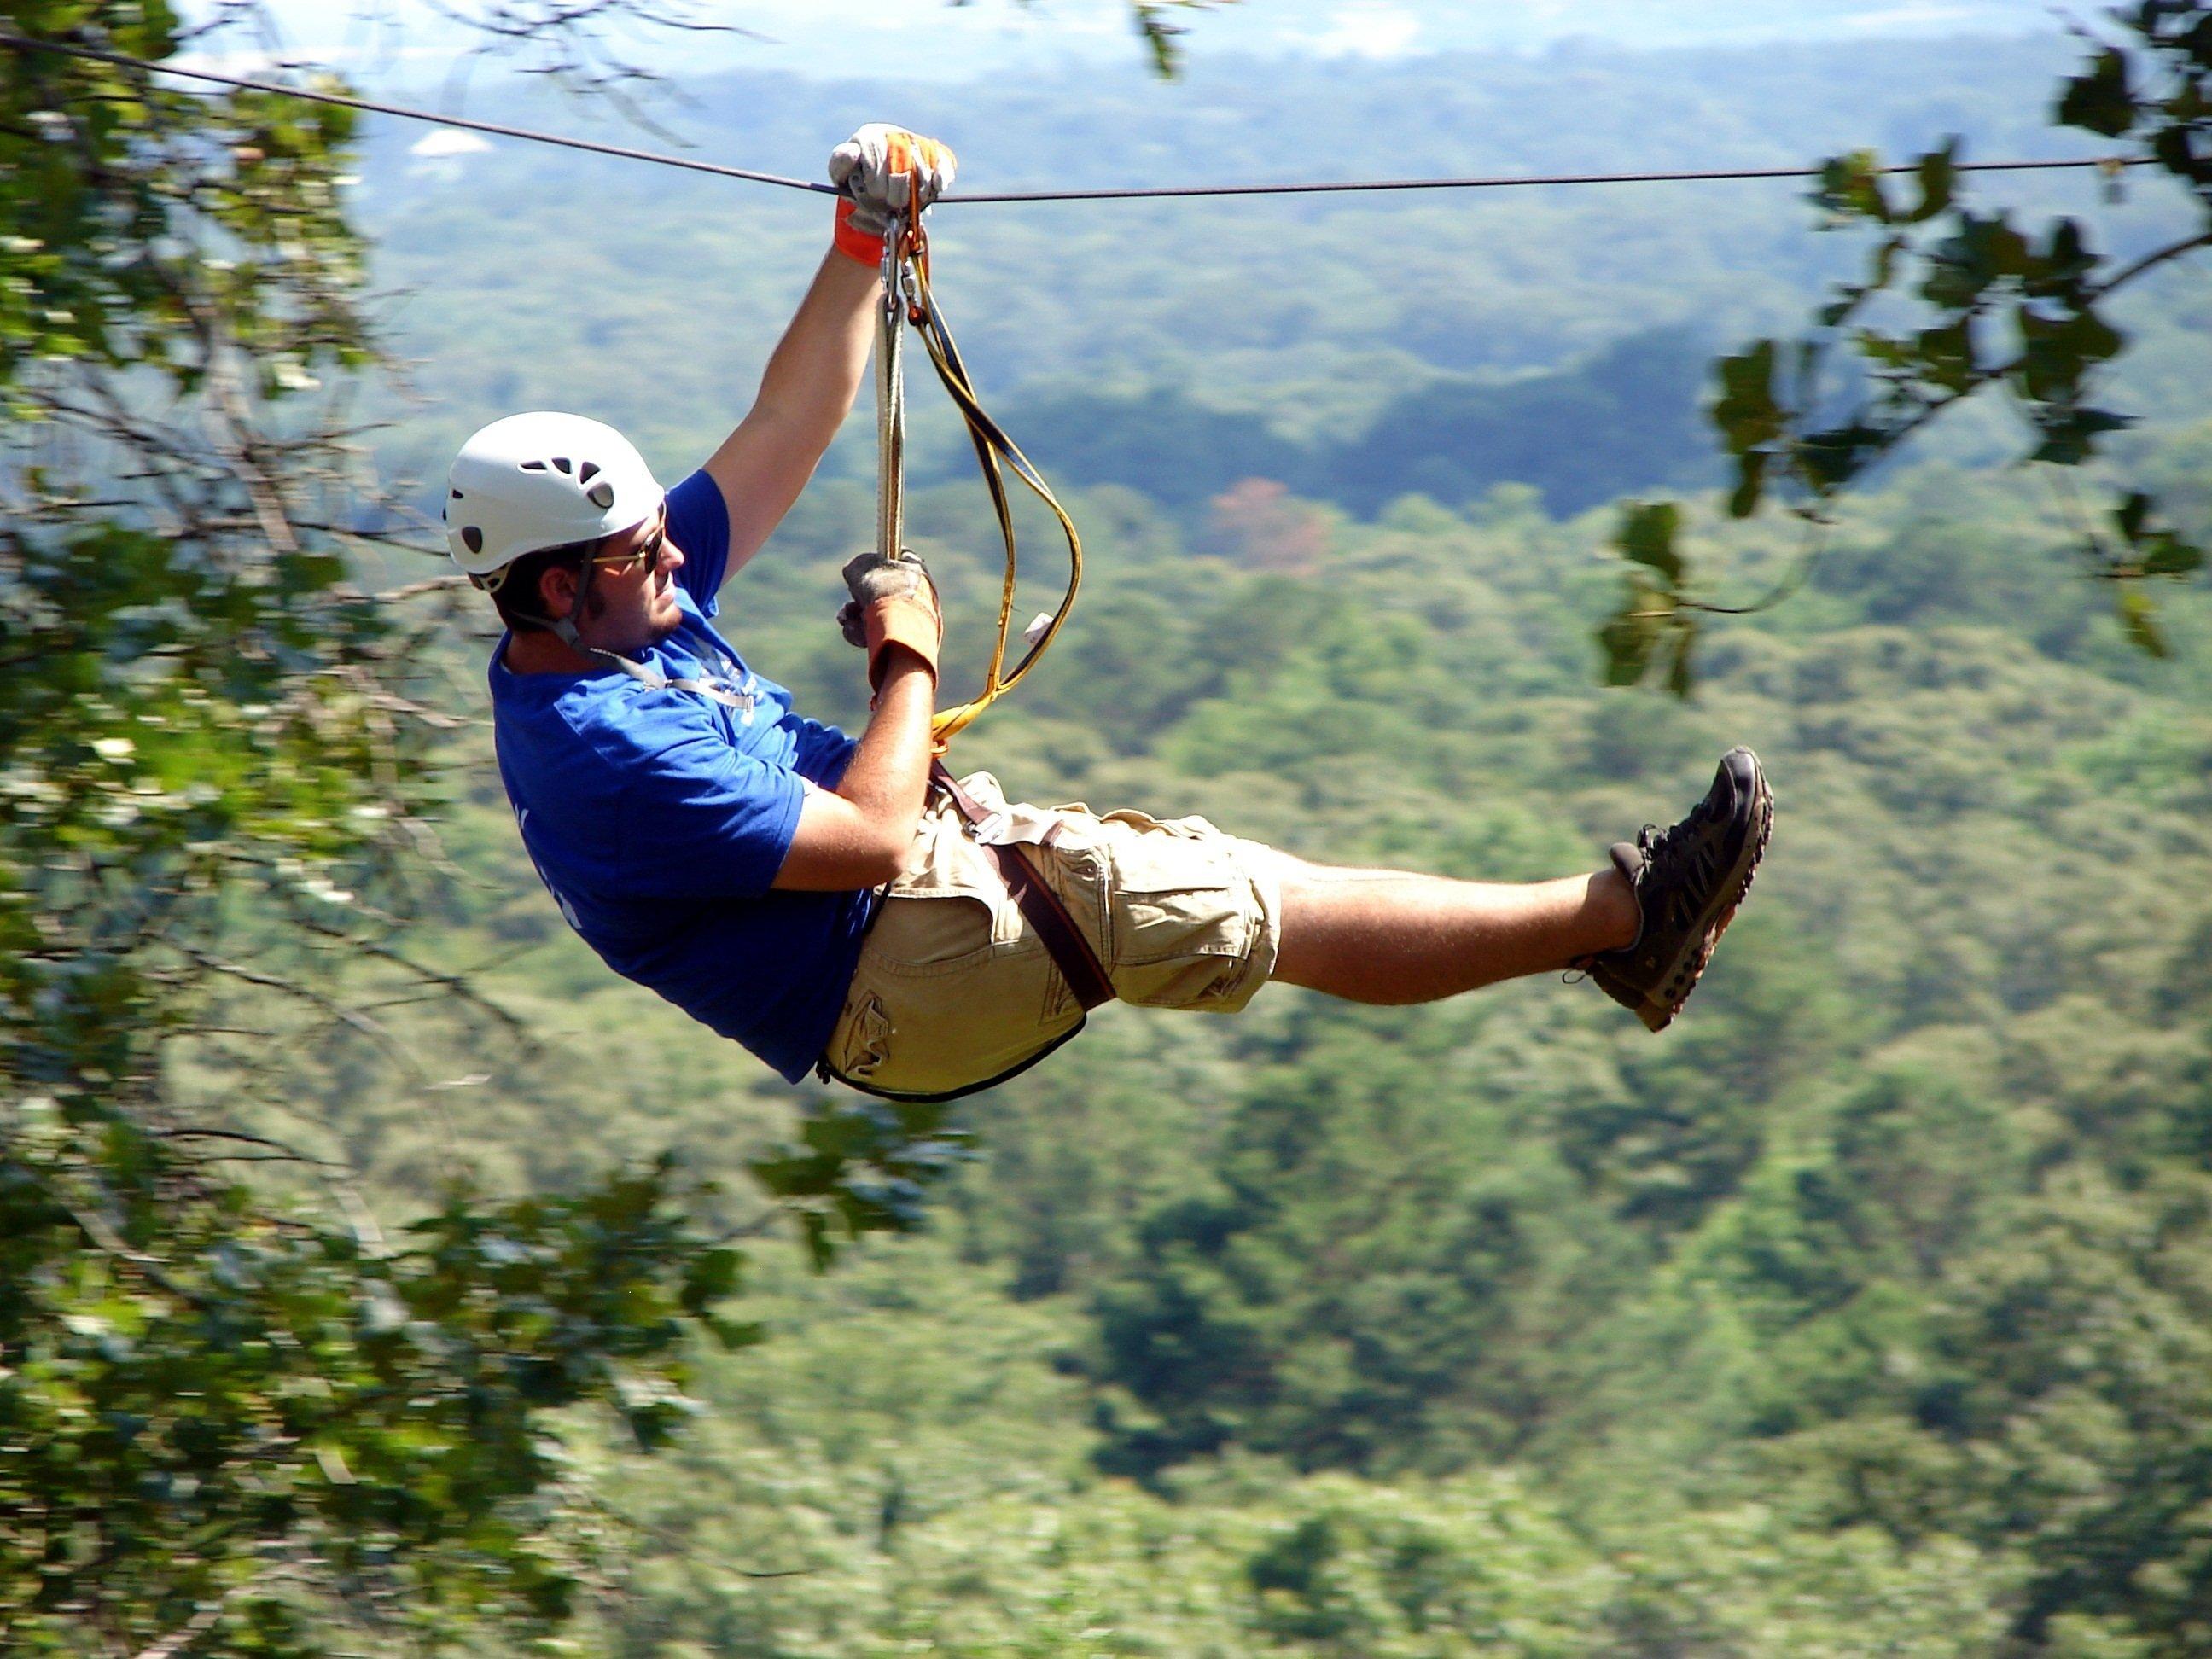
557, 591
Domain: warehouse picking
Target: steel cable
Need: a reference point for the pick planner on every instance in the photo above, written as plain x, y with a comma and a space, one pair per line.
1140, 192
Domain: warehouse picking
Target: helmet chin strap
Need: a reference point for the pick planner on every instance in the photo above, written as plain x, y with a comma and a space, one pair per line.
563, 629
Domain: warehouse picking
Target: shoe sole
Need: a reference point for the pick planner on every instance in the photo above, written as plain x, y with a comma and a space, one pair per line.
1657, 1016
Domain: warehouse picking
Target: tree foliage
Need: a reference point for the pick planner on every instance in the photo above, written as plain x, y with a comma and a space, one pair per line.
230, 1419
249, 1431
1953, 304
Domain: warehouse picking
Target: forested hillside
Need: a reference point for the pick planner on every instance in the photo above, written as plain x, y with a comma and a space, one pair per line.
1867, 1311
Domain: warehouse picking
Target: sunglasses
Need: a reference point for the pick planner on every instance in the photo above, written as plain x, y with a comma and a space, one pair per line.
647, 553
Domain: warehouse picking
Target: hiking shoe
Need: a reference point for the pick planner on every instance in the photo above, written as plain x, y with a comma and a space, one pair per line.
1688, 881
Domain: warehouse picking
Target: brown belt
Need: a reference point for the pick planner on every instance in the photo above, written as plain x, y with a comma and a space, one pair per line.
1070, 952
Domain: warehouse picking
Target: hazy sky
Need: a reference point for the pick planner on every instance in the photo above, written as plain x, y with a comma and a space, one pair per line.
906, 38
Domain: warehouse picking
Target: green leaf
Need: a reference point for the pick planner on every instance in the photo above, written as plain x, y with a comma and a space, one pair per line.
732, 1334
2069, 257
1828, 459
1160, 37
1746, 411
1626, 640
2170, 556
1937, 174
711, 1276
1750, 484
2071, 435
2129, 514
1946, 356
2137, 613
2098, 99
1646, 537
2179, 150
1681, 677
1883, 349
1851, 186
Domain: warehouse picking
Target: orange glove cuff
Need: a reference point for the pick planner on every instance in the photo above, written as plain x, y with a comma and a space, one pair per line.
853, 242
901, 622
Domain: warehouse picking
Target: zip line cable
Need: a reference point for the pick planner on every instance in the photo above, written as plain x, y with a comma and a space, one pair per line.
1325, 188
1707, 175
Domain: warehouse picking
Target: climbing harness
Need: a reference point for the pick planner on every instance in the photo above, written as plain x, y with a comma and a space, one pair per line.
908, 299
1078, 964
1071, 953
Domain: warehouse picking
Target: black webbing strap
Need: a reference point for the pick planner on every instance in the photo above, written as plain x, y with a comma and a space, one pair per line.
1070, 952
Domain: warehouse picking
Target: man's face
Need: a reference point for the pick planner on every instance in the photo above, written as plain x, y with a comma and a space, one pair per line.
632, 601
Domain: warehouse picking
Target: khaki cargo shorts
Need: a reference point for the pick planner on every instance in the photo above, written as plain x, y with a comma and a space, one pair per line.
954, 987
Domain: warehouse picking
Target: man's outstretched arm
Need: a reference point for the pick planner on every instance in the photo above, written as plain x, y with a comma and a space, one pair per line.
815, 371
805, 393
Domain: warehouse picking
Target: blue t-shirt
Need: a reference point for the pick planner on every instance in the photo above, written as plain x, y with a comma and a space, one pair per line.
658, 818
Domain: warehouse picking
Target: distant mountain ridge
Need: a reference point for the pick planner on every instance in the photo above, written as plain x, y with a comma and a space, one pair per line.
1626, 418
1480, 323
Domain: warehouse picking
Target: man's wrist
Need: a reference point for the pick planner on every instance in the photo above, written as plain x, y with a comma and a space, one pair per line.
897, 663
866, 246
906, 621
905, 689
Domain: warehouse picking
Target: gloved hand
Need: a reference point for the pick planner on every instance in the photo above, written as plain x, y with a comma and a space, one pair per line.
883, 170
894, 603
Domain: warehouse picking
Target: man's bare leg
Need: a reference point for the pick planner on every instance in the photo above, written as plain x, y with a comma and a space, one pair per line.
1391, 936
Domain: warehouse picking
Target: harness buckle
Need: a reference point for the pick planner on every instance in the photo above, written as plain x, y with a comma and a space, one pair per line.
989, 831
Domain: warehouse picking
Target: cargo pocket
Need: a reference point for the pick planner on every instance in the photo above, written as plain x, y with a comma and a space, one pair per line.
862, 1041
1181, 918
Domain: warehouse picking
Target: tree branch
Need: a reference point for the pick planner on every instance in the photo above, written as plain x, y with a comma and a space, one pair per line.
2152, 261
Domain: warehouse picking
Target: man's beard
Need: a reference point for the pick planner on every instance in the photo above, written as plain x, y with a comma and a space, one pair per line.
595, 607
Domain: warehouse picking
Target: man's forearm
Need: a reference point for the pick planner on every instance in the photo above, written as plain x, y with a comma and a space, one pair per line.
888, 777
807, 391
815, 371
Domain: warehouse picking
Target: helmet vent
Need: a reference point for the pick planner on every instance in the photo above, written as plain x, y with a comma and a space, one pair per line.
602, 497
472, 538
533, 467
457, 495
562, 461
586, 473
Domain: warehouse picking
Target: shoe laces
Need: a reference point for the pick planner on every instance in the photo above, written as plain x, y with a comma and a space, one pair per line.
1661, 847
1666, 847
1678, 867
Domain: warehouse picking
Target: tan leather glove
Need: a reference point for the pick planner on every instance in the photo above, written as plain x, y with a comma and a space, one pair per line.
894, 603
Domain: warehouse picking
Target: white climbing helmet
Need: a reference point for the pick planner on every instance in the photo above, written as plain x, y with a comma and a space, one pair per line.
540, 480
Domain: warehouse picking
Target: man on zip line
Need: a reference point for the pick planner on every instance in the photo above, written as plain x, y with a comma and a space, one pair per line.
824, 902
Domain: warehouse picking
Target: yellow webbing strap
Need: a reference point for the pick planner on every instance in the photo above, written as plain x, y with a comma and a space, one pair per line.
907, 289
